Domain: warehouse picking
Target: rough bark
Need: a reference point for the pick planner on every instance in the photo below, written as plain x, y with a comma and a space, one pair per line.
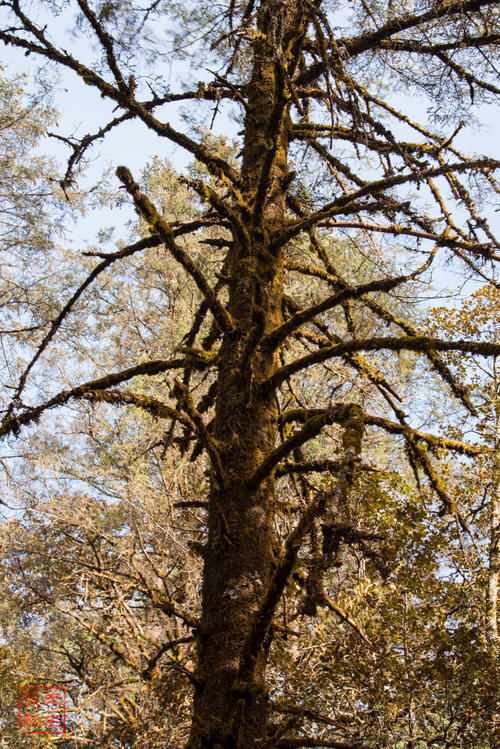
494, 550
228, 712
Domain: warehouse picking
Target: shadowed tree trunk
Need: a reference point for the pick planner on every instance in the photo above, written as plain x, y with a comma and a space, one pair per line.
229, 710
494, 550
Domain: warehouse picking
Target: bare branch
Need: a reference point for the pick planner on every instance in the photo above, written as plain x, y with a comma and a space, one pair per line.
419, 344
12, 424
304, 414
277, 336
349, 203
357, 45
161, 228
142, 244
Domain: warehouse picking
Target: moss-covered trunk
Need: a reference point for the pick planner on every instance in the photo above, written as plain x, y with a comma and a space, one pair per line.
228, 713
494, 550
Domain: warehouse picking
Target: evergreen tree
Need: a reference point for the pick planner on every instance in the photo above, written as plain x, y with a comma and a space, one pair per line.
286, 367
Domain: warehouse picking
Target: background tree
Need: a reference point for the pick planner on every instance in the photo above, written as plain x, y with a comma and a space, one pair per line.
293, 355
479, 317
28, 215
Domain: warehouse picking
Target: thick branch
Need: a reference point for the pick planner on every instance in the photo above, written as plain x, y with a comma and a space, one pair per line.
463, 448
320, 465
358, 45
278, 335
311, 429
353, 428
145, 402
31, 415
418, 344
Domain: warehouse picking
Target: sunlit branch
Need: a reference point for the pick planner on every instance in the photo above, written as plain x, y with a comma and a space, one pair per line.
419, 344
311, 428
186, 414
319, 466
349, 203
356, 361
306, 132
222, 206
12, 424
181, 392
304, 414
442, 240
147, 671
150, 405
142, 244
463, 448
459, 390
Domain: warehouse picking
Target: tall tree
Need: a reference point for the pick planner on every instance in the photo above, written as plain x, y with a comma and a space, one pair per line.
28, 214
282, 308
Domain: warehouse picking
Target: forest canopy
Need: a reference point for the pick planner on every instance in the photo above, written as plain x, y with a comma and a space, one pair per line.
250, 389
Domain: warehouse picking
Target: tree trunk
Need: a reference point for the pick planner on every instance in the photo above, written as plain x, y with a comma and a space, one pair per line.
494, 550
230, 713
